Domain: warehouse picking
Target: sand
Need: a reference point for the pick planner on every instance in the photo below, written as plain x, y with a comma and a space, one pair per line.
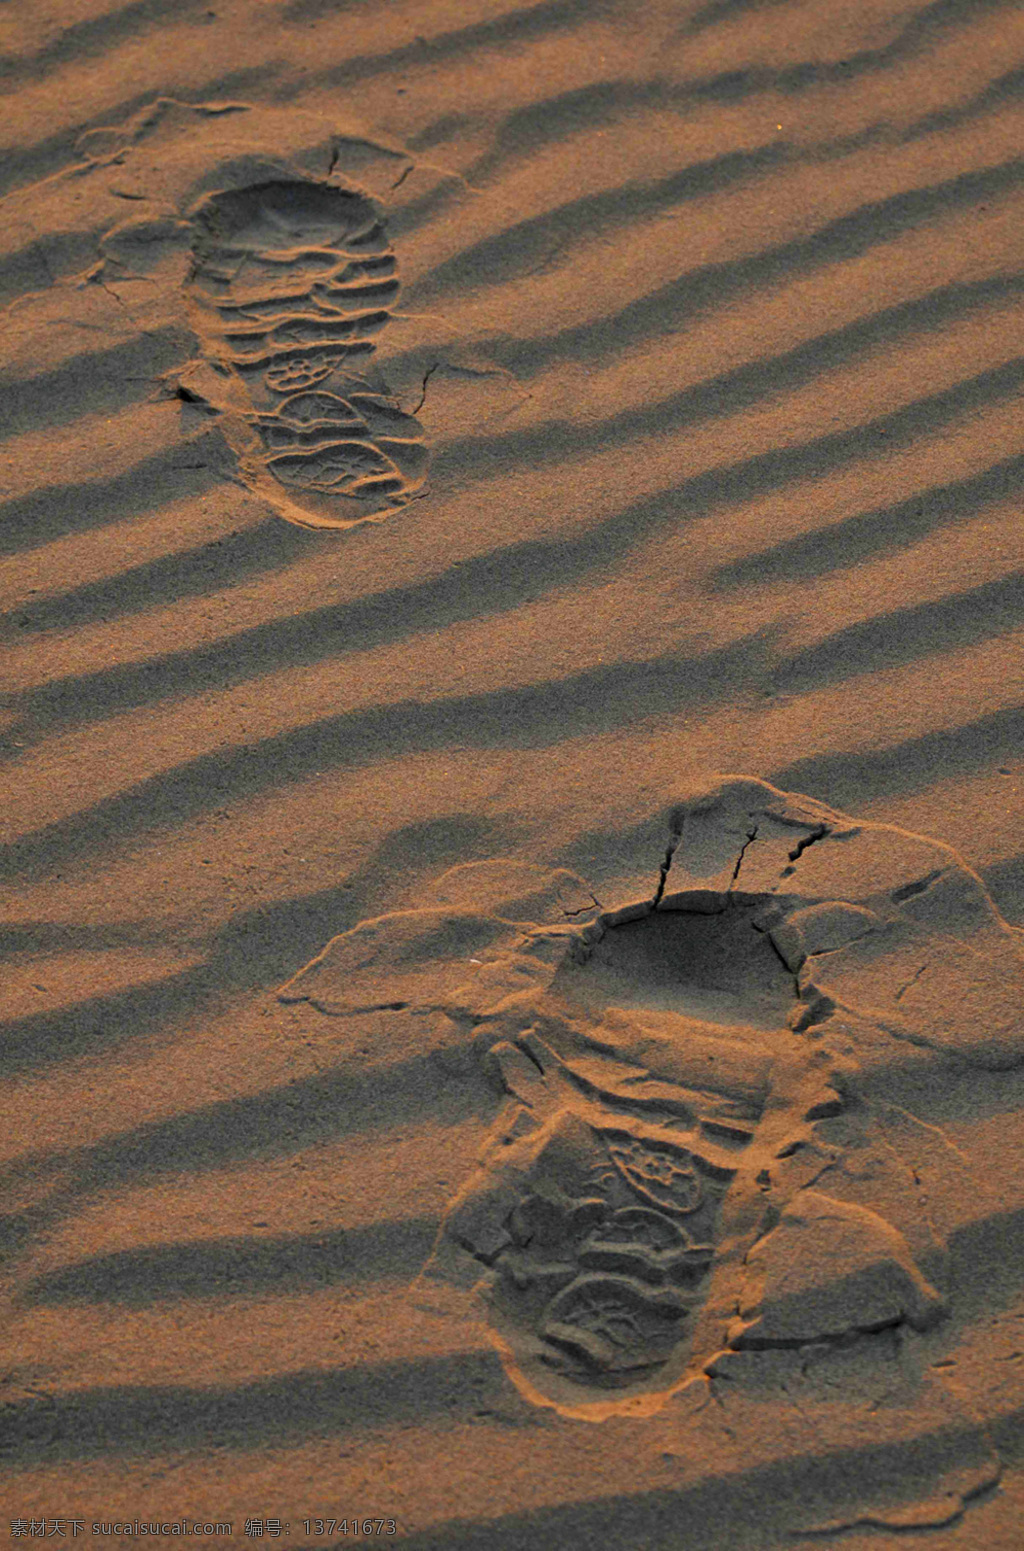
439, 441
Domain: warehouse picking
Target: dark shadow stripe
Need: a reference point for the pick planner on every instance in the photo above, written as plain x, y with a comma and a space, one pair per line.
743, 481
905, 635
508, 577
58, 153
883, 531
85, 40
444, 1086
19, 1229
250, 1266
514, 253
925, 28
446, 126
255, 950
751, 478
742, 1509
150, 1420
659, 687
1007, 1434
551, 119
848, 778
718, 11
230, 560
102, 1022
566, 113
512, 28
982, 1094
51, 256
262, 946
700, 291
731, 392
44, 936
315, 10
476, 588
92, 383
531, 716
1004, 89
185, 469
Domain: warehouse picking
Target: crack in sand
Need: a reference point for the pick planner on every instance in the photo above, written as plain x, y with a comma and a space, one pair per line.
665, 868
751, 837
423, 394
808, 841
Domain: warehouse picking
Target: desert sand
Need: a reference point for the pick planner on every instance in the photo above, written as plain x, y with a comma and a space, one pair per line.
513, 922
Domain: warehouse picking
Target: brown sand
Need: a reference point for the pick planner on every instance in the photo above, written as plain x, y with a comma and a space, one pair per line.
711, 318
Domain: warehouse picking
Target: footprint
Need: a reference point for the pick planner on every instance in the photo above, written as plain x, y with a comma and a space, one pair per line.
715, 1117
291, 283
598, 1226
601, 1279
597, 1220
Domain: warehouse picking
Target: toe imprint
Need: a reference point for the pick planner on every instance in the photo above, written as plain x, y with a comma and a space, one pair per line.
662, 1174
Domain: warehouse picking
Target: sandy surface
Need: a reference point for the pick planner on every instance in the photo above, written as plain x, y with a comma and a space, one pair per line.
711, 318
